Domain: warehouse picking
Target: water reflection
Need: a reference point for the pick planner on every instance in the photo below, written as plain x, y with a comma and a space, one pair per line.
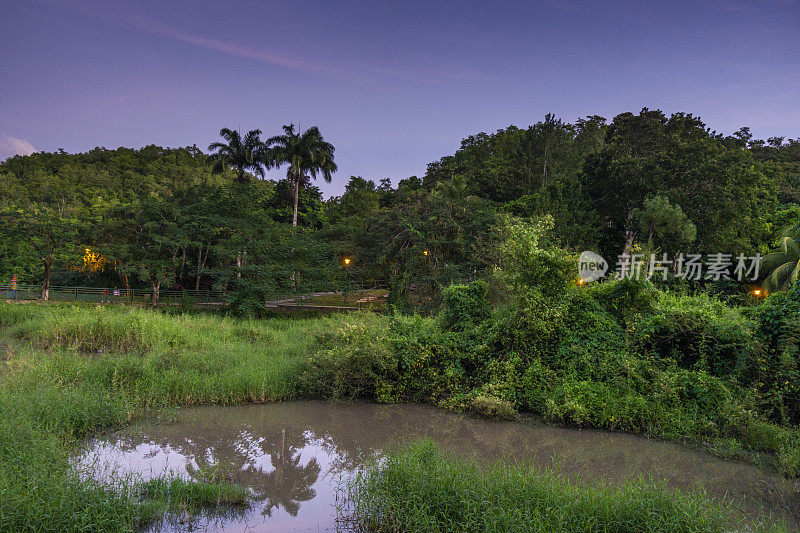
292, 455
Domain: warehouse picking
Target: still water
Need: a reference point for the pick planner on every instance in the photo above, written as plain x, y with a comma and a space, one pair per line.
293, 455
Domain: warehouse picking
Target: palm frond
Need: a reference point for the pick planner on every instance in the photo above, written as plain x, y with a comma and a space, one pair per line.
777, 280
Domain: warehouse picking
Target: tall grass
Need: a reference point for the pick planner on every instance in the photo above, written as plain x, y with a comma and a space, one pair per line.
149, 359
421, 489
76, 369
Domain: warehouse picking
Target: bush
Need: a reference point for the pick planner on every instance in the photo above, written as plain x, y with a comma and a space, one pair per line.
696, 332
625, 298
464, 306
527, 265
570, 335
775, 372
355, 360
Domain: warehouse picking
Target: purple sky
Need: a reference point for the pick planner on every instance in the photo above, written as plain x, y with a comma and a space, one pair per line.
393, 85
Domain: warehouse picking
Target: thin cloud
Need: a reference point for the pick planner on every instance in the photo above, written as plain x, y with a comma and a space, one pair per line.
11, 146
119, 14
235, 49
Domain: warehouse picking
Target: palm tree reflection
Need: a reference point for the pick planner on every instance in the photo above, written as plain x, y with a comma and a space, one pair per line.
239, 456
290, 482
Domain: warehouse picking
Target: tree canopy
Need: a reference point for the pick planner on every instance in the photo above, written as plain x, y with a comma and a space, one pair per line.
177, 217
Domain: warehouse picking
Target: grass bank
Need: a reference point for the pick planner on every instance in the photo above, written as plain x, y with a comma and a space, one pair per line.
75, 370
422, 489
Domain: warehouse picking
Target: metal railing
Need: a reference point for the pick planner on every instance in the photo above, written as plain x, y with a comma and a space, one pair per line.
105, 294
354, 297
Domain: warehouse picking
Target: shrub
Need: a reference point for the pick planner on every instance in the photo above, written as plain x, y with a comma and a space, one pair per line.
355, 360
591, 342
526, 264
775, 371
625, 298
696, 332
464, 306
572, 334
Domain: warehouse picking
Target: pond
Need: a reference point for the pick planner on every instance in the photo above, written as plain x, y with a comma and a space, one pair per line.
293, 455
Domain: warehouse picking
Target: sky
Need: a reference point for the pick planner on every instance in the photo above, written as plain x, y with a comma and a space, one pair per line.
393, 85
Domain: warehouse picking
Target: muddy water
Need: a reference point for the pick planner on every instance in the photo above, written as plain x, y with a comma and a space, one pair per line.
293, 455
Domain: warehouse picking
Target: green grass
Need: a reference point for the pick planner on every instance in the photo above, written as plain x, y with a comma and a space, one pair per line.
421, 489
77, 369
180, 495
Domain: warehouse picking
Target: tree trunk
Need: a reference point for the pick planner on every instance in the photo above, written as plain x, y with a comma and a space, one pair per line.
544, 169
199, 269
156, 288
46, 280
183, 264
630, 234
296, 199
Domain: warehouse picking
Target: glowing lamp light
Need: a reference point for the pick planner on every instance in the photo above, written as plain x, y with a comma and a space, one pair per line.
757, 292
581, 281
346, 260
425, 252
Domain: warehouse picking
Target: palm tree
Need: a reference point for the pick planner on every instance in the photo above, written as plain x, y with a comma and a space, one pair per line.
307, 155
783, 265
244, 155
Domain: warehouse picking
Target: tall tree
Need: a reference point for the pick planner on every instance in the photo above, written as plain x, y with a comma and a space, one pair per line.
49, 233
307, 155
245, 155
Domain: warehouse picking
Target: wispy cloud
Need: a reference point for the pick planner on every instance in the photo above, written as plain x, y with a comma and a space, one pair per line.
11, 146
123, 15
236, 49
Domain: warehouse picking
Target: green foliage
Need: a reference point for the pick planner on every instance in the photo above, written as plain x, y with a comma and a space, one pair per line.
526, 264
666, 225
650, 154
306, 154
781, 268
567, 359
464, 306
421, 489
775, 373
625, 298
241, 154
354, 361
192, 496
696, 332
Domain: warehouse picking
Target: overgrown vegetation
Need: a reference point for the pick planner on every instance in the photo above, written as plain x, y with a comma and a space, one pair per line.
421, 489
485, 312
573, 358
75, 370
164, 218
622, 355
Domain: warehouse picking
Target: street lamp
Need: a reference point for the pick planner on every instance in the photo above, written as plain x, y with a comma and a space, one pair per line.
346, 261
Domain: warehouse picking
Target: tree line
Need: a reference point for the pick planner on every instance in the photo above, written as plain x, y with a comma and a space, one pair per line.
177, 217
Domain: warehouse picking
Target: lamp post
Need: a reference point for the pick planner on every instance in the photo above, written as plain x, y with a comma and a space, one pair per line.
346, 262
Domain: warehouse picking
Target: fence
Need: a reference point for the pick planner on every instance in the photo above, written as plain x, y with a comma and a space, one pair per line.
353, 298
100, 294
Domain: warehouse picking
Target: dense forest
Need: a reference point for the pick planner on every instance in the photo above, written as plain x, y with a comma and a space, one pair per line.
177, 218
